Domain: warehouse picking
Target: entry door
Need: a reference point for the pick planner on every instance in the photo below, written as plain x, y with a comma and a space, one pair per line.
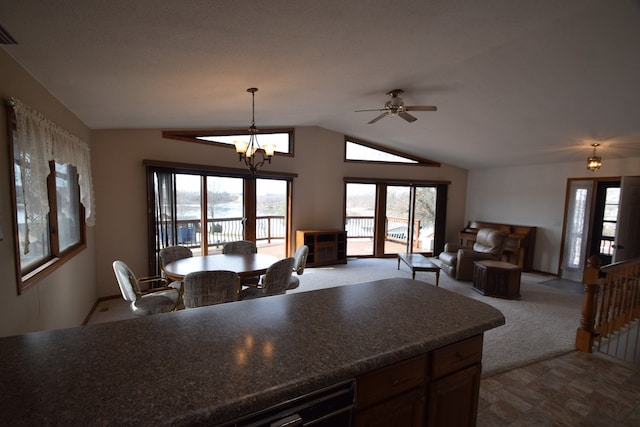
576, 235
627, 238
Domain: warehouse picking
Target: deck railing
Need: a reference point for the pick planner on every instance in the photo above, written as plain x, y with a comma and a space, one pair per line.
270, 227
222, 230
611, 309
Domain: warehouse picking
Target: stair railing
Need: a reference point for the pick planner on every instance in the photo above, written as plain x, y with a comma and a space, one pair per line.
611, 301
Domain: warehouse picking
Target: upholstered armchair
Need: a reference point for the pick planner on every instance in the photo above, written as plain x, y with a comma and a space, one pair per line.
300, 258
149, 301
275, 282
457, 261
203, 288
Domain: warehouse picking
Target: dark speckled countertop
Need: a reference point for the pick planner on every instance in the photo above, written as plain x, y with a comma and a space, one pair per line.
212, 364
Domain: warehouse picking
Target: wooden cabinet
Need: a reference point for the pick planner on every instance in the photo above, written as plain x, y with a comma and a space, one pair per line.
393, 395
455, 384
326, 247
440, 388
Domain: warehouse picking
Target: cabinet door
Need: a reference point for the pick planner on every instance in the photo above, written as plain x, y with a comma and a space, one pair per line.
405, 410
453, 400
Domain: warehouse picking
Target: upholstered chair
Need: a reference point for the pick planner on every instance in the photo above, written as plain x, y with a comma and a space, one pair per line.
276, 281
171, 254
300, 258
203, 288
457, 261
146, 301
240, 247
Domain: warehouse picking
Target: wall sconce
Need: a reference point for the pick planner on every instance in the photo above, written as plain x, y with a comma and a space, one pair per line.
248, 151
594, 162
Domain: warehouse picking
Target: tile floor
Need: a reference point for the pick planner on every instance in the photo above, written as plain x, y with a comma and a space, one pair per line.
575, 389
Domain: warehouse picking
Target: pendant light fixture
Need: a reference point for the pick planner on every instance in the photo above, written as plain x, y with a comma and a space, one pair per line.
594, 162
251, 150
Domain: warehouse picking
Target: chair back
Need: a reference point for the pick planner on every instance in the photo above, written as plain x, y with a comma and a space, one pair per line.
127, 280
173, 253
278, 276
240, 247
490, 241
300, 259
203, 288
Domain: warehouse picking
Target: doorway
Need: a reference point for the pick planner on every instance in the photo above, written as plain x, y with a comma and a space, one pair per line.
599, 221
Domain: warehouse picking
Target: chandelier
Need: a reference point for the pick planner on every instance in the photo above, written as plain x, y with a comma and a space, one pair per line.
251, 150
594, 162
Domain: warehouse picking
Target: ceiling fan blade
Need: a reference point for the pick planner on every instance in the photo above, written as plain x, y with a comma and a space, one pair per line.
421, 108
379, 117
408, 117
375, 109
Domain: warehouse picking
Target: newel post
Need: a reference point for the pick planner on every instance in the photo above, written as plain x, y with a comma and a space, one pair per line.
586, 331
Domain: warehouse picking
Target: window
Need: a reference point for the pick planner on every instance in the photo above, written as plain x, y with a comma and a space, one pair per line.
361, 151
281, 138
48, 198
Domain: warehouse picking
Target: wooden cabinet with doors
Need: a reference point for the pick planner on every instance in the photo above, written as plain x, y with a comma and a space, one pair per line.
436, 389
326, 247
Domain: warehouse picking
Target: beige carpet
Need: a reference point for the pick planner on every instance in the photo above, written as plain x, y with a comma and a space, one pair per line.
542, 324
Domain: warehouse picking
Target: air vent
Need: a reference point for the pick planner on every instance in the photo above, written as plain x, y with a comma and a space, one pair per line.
5, 37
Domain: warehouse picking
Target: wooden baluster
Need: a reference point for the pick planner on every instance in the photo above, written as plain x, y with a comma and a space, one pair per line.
586, 331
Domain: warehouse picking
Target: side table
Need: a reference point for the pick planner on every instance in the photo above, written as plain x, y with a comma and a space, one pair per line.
497, 279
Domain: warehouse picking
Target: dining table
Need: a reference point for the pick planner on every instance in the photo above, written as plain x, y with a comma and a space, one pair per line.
246, 265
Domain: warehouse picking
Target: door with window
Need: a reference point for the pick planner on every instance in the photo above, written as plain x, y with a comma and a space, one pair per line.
600, 220
384, 219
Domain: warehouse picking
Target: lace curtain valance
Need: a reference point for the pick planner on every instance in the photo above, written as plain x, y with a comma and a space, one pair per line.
38, 141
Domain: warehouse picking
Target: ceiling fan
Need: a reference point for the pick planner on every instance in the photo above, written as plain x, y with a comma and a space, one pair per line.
395, 106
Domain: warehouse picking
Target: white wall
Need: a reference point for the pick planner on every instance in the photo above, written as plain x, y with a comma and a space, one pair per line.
120, 185
534, 196
66, 296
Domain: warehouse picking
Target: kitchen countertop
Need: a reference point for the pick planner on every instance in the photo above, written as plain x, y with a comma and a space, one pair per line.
212, 364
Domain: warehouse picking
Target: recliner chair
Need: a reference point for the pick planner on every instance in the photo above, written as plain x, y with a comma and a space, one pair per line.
457, 261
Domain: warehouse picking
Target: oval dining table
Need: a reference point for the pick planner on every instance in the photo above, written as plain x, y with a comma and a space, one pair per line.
246, 265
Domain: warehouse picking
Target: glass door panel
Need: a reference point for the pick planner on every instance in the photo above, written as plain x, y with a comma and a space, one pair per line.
271, 216
188, 210
398, 212
225, 211
360, 218
424, 219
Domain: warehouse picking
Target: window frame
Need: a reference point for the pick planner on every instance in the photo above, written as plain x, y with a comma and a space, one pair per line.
442, 188
27, 277
420, 161
194, 135
206, 170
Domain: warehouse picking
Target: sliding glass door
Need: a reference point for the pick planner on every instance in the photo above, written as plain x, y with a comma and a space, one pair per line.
384, 219
202, 211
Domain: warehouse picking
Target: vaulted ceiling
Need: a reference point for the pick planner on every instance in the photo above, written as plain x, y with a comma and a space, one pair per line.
516, 82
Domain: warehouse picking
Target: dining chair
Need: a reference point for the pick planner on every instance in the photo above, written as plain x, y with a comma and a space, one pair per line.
171, 254
202, 288
146, 301
276, 280
300, 258
240, 247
